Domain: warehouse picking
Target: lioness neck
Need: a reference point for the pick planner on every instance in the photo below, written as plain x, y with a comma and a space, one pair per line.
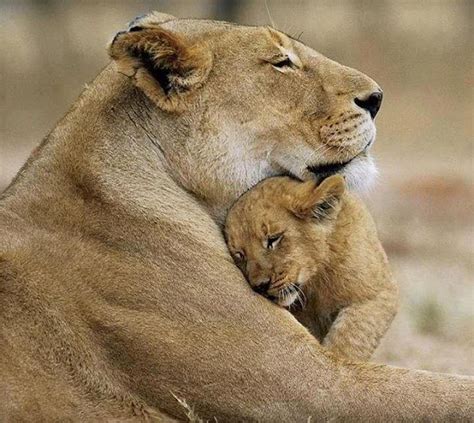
95, 155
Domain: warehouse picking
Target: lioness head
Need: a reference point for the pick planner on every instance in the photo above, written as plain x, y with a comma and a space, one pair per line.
236, 104
277, 233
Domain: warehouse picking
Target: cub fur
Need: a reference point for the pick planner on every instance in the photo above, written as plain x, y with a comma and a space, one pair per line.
316, 247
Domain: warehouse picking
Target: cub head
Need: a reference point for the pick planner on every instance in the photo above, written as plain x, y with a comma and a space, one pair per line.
277, 233
237, 104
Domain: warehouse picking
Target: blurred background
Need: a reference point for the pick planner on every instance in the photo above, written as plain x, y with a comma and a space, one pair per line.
420, 52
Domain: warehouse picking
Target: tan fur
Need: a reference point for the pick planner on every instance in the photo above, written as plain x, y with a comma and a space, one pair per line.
117, 292
316, 249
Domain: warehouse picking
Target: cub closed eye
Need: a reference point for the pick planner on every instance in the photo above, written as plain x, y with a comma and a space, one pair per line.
285, 62
273, 241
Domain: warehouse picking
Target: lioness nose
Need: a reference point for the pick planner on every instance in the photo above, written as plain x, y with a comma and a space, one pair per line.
371, 103
262, 287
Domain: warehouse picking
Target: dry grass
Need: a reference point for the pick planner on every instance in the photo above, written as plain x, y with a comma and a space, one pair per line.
189, 411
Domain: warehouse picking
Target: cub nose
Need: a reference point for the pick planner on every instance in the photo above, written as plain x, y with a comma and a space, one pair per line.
262, 287
371, 103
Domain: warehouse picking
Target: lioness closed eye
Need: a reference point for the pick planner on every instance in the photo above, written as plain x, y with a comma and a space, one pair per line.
315, 248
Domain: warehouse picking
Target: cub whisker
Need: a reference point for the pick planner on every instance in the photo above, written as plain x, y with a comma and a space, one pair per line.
301, 296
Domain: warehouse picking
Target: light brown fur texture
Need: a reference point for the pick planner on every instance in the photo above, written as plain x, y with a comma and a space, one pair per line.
314, 249
117, 291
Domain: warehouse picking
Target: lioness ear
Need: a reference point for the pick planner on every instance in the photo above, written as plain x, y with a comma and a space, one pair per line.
318, 201
164, 65
150, 19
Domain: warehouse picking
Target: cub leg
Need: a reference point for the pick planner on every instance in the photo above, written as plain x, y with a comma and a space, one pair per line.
358, 328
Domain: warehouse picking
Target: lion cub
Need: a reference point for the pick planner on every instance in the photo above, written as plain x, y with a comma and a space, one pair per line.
314, 249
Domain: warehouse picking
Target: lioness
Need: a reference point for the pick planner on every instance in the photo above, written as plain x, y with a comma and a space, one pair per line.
117, 288
316, 244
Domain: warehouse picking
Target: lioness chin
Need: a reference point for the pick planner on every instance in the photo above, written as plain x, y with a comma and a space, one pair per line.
118, 293
317, 245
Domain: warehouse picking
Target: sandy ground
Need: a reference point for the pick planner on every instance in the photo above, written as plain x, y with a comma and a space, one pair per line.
420, 53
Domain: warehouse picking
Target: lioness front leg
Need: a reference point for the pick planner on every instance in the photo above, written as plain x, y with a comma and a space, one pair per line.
358, 328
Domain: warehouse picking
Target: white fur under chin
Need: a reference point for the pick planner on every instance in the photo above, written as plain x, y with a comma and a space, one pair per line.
360, 174
288, 299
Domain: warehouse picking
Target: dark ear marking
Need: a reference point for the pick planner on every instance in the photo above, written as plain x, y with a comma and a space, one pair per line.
135, 21
118, 34
320, 202
325, 209
161, 74
328, 199
163, 64
152, 19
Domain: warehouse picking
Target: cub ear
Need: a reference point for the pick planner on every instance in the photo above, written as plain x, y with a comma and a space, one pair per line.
318, 201
164, 65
